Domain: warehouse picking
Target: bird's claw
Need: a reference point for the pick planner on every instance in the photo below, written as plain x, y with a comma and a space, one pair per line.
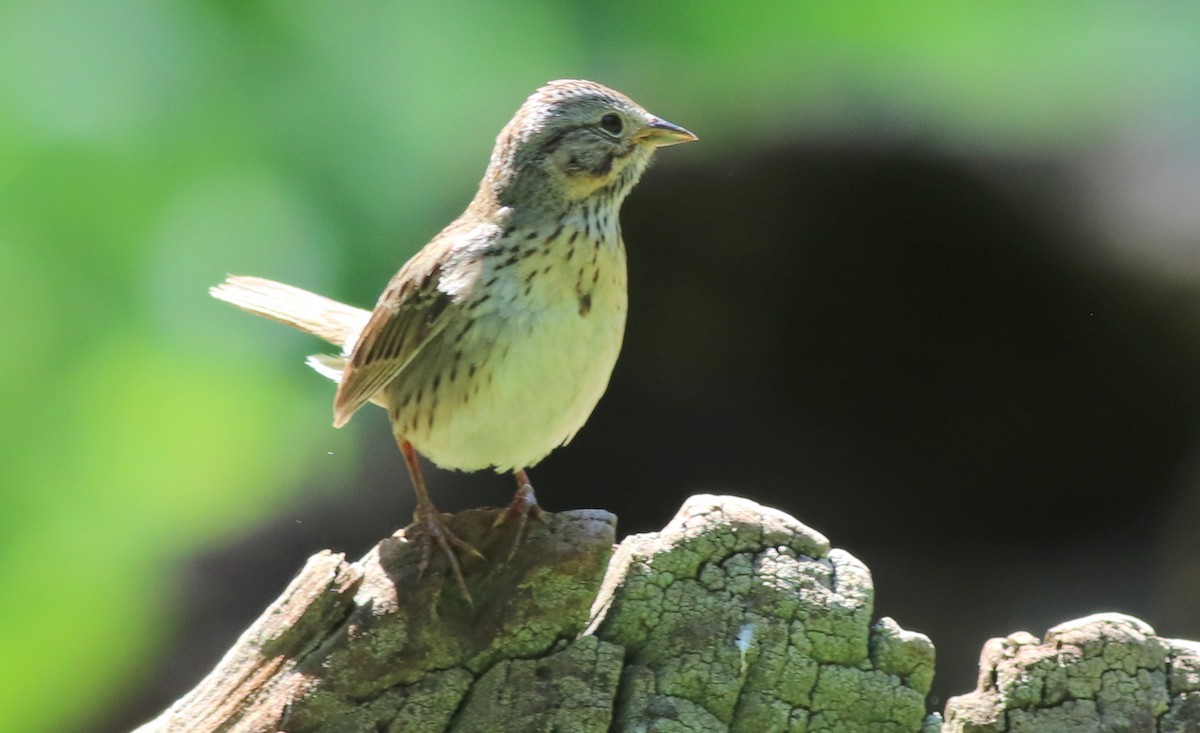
523, 506
435, 531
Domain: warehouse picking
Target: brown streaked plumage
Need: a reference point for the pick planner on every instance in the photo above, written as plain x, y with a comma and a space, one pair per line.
491, 346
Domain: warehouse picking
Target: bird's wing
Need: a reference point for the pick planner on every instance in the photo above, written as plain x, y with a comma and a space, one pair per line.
409, 314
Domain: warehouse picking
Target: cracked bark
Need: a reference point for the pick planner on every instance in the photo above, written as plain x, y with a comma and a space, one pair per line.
733, 618
1107, 672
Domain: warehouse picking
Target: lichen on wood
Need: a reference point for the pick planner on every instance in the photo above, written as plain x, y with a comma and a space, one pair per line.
1107, 672
734, 617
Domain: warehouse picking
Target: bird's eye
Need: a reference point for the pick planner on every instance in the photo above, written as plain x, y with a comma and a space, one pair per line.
612, 123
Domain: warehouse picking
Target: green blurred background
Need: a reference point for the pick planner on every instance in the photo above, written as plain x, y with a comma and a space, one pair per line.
146, 149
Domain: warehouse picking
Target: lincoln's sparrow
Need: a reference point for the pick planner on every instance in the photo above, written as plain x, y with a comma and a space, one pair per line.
492, 345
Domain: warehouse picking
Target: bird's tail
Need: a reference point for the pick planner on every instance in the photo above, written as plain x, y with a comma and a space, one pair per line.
328, 365
337, 323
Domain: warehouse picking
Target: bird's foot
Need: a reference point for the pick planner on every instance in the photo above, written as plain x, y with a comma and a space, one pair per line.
435, 532
523, 506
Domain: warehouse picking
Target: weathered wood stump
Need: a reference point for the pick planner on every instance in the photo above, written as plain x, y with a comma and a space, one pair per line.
733, 618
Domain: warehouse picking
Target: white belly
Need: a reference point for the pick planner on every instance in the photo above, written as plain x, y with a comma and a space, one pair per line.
545, 360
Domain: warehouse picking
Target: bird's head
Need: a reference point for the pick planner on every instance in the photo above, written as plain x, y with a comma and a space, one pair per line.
572, 140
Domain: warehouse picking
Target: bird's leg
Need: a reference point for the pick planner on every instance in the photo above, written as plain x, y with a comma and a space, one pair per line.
523, 506
435, 530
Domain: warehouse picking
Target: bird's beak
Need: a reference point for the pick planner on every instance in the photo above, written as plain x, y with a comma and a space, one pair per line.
661, 133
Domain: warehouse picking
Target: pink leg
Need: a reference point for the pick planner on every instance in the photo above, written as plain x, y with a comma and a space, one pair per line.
435, 530
523, 506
